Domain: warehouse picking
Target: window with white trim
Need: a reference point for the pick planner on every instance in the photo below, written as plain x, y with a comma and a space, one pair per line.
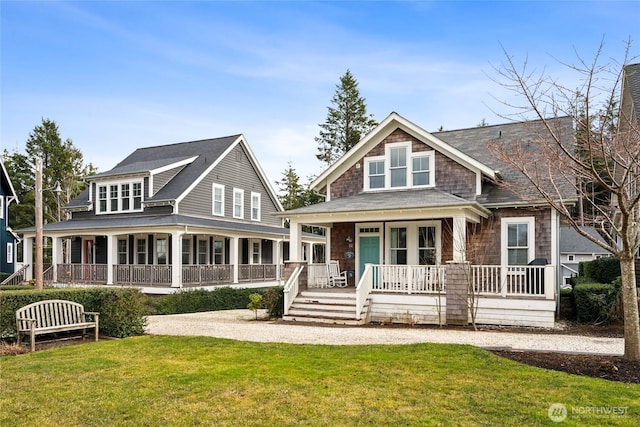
162, 250
427, 251
399, 168
238, 203
218, 254
218, 200
375, 170
255, 253
186, 251
398, 245
141, 251
255, 206
518, 240
9, 253
1, 207
119, 197
202, 251
123, 253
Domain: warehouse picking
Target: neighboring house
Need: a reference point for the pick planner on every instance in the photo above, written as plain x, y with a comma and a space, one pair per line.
575, 248
407, 209
8, 239
629, 116
182, 215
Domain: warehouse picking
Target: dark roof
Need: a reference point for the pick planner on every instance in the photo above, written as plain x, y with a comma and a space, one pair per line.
131, 221
146, 159
572, 242
386, 200
475, 142
632, 77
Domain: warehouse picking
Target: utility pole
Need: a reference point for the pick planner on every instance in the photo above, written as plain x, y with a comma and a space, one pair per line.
39, 249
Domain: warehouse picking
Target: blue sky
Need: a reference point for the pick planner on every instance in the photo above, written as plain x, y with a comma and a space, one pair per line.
120, 75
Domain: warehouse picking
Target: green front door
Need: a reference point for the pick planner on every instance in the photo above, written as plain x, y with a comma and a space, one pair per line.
369, 252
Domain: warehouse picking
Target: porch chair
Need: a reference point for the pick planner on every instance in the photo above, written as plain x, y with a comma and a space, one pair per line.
335, 277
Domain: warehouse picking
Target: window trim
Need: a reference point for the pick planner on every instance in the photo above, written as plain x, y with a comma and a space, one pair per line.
386, 158
106, 197
504, 236
413, 249
256, 208
213, 200
240, 192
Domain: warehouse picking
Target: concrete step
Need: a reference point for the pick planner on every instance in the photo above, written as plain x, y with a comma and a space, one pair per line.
320, 319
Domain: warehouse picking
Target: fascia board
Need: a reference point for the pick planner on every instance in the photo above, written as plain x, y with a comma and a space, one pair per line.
6, 174
208, 170
173, 165
392, 121
261, 174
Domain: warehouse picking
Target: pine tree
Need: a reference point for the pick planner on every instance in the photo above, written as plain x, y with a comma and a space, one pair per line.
347, 121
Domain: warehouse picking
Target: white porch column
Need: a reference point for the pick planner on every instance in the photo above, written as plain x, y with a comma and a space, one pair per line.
56, 255
27, 257
233, 248
112, 256
295, 241
459, 239
277, 255
176, 259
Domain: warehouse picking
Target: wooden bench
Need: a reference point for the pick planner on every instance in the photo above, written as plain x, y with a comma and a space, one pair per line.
46, 317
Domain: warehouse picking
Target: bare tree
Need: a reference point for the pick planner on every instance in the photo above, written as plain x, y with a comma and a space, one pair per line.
606, 153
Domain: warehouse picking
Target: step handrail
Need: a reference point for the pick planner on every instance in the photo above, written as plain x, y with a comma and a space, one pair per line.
291, 289
363, 290
9, 280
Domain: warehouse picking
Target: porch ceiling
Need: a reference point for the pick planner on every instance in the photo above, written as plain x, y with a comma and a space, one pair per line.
390, 205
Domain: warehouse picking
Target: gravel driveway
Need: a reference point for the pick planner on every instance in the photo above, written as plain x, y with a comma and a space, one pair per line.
240, 325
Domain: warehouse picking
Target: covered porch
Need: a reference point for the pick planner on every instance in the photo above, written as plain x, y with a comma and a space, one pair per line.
164, 259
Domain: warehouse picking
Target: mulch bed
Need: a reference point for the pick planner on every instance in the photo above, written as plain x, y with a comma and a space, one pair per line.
613, 368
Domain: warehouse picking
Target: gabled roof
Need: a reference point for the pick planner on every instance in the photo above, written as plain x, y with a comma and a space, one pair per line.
197, 159
572, 242
6, 180
392, 122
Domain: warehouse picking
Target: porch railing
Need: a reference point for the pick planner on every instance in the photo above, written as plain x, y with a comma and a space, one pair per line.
411, 279
514, 280
211, 274
291, 288
17, 277
142, 275
258, 272
81, 273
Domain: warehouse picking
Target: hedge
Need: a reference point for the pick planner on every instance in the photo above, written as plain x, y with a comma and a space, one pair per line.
225, 298
601, 270
597, 302
122, 310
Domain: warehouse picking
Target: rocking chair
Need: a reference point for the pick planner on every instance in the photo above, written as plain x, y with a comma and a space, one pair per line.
335, 277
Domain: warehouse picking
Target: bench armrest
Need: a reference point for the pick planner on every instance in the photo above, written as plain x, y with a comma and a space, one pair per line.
92, 313
31, 322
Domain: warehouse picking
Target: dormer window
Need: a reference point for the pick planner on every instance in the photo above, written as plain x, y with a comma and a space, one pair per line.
119, 197
399, 168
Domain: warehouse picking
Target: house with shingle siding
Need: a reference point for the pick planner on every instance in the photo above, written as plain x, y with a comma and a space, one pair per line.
421, 221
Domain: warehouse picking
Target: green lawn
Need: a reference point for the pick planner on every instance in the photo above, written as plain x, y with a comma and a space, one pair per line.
174, 381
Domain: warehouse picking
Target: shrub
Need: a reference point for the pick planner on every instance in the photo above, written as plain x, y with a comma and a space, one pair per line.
601, 270
273, 301
121, 310
597, 302
197, 300
255, 302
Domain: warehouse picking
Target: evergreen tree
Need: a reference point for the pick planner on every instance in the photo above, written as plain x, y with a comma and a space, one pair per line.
347, 121
63, 164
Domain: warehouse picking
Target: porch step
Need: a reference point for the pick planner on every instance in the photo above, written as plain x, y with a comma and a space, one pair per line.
326, 306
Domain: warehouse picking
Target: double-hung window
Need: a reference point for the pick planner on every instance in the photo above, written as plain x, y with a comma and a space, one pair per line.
141, 251
398, 166
518, 240
420, 171
255, 253
255, 206
123, 253
398, 245
427, 245
238, 203
375, 168
186, 251
218, 199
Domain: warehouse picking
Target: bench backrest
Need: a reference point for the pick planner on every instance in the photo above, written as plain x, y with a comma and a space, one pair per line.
50, 313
